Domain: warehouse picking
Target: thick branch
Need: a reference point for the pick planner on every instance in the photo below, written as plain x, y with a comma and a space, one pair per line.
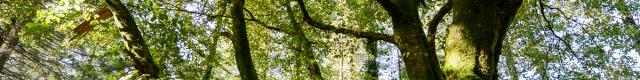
433, 26
134, 42
321, 26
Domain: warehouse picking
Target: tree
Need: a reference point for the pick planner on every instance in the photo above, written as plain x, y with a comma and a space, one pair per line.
321, 39
134, 42
305, 46
240, 42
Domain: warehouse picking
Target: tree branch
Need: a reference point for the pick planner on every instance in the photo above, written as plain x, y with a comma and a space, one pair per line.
544, 17
253, 19
433, 25
321, 26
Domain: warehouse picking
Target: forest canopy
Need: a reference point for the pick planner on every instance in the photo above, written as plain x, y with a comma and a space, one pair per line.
320, 39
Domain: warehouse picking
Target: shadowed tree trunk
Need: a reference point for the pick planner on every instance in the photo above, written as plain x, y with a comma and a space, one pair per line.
372, 65
475, 38
134, 43
240, 42
421, 62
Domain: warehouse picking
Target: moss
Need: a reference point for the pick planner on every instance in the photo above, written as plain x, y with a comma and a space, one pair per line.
460, 57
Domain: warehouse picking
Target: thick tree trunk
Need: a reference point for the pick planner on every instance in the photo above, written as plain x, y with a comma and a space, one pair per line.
305, 46
420, 62
475, 38
134, 42
241, 43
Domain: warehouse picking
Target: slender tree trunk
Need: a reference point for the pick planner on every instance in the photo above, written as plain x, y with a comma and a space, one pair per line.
134, 42
216, 35
372, 65
475, 38
241, 43
305, 46
420, 62
511, 66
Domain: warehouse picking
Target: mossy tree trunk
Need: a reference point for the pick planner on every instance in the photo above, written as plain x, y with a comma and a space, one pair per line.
475, 38
241, 43
134, 43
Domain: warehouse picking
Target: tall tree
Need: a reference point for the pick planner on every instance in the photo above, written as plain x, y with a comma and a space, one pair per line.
481, 37
134, 42
408, 35
241, 43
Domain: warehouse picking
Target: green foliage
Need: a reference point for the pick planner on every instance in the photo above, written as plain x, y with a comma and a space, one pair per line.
182, 38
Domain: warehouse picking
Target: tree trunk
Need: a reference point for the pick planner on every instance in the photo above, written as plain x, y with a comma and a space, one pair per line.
10, 39
216, 34
305, 46
475, 38
372, 65
134, 42
241, 43
420, 62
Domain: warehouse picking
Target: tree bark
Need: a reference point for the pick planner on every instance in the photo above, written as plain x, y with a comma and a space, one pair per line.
10, 40
241, 43
420, 62
134, 42
475, 38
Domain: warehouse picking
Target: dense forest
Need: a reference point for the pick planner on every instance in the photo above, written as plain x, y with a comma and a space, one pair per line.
320, 39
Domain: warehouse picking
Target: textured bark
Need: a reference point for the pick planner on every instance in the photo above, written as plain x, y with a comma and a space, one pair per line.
410, 38
134, 43
241, 43
9, 41
305, 46
475, 38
